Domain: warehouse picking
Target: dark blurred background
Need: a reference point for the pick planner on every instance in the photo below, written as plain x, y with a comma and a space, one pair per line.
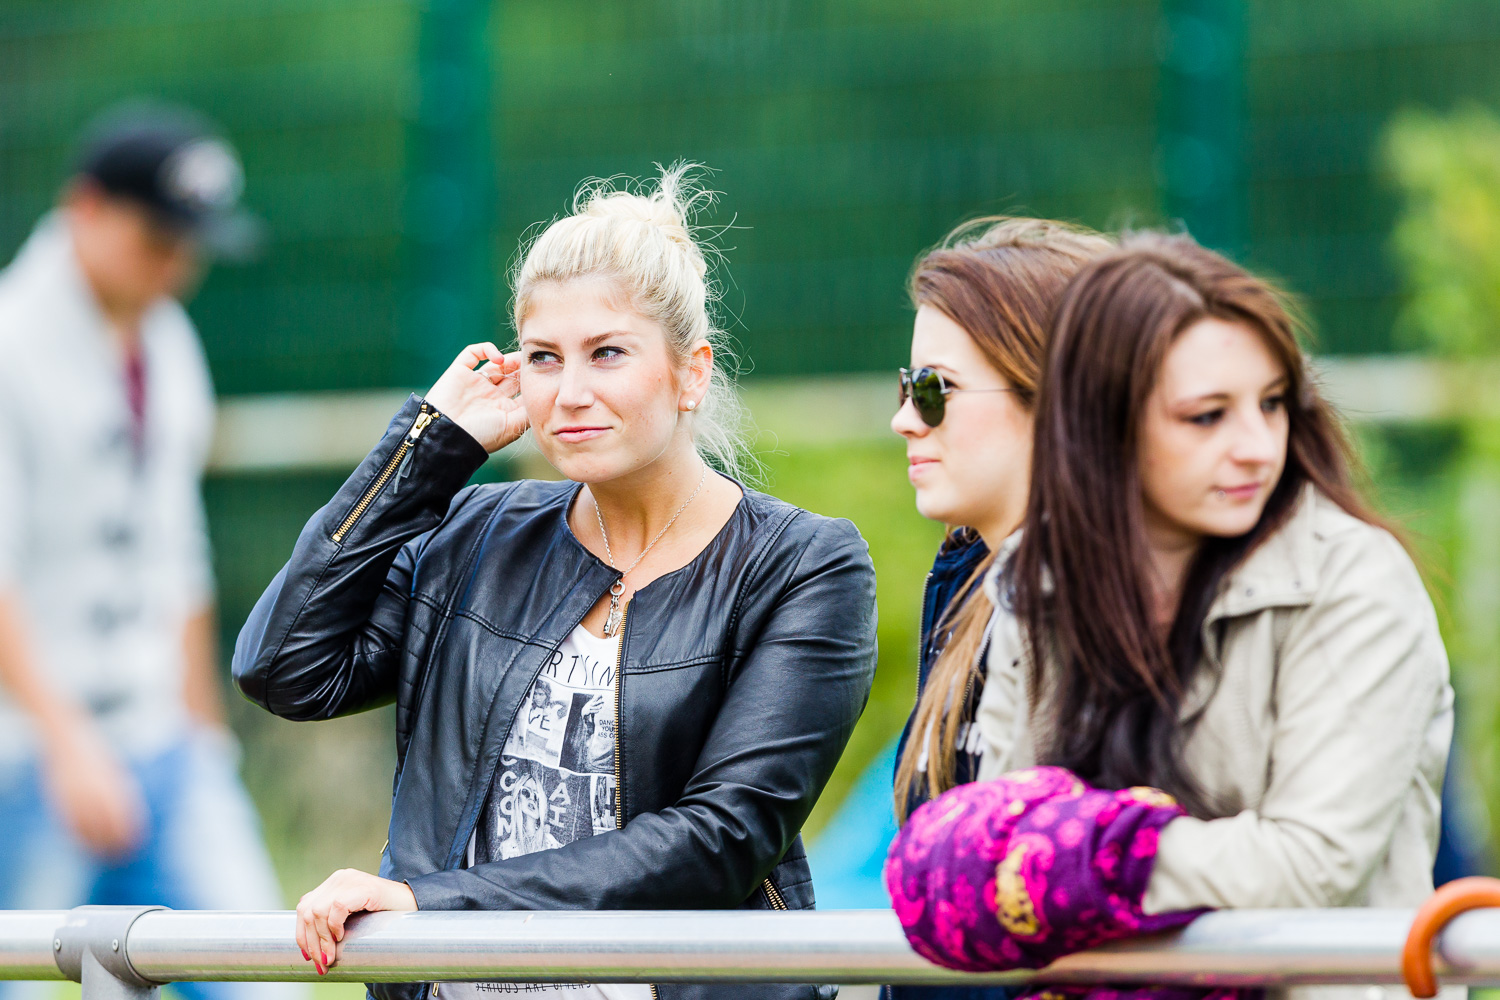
400, 150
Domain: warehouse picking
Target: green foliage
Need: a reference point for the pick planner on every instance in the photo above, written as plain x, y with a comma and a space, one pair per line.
1448, 235
1447, 240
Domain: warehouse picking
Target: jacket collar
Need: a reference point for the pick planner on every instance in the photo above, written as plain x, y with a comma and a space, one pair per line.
992, 578
957, 556
50, 261
1281, 572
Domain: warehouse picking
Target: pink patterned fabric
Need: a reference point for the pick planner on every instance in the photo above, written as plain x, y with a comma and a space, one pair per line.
1017, 872
1137, 993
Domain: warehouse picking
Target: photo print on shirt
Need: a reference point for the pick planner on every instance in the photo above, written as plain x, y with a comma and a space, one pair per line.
556, 781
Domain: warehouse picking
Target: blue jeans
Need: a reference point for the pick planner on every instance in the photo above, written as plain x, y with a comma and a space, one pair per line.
202, 851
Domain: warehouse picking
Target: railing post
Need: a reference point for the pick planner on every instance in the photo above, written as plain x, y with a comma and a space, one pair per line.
92, 948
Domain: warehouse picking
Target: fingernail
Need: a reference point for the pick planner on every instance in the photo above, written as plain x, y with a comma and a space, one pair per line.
305, 956
325, 961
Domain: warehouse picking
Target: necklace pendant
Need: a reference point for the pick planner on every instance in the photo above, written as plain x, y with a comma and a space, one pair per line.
617, 613
612, 623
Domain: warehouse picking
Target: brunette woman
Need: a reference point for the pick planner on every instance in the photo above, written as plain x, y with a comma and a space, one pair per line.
984, 299
623, 690
1230, 669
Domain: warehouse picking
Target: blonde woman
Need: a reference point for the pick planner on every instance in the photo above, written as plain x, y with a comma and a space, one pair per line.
725, 638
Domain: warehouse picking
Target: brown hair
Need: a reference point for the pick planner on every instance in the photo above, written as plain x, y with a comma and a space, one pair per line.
999, 279
1077, 580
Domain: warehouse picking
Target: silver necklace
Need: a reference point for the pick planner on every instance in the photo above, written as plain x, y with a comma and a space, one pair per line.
612, 623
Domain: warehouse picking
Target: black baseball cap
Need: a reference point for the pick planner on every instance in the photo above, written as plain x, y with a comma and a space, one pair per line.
172, 161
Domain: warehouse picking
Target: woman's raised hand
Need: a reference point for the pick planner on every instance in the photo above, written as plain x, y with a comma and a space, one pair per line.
322, 912
483, 401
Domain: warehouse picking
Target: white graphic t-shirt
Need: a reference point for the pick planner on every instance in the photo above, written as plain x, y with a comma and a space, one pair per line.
555, 784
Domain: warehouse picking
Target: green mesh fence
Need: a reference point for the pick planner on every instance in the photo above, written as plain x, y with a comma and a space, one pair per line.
847, 135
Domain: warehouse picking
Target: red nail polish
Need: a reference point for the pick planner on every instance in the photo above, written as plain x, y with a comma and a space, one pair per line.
325, 960
305, 956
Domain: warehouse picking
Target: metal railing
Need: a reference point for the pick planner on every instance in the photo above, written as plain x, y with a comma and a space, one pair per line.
125, 952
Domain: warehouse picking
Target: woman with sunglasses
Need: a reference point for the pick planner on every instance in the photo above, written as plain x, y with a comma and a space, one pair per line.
984, 299
624, 690
1230, 672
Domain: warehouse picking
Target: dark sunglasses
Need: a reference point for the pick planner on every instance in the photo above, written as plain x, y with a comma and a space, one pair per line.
929, 393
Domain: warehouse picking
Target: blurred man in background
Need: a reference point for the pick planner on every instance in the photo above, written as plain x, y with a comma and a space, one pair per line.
118, 778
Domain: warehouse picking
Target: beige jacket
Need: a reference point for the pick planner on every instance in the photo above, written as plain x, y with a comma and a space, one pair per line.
1325, 719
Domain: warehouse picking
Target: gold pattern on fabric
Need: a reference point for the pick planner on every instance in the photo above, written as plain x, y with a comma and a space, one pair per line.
1013, 904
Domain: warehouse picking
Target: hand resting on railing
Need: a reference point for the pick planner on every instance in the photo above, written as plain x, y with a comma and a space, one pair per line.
323, 913
1018, 872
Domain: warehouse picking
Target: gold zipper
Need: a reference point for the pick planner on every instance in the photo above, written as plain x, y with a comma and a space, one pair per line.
772, 893
922, 648
619, 757
423, 419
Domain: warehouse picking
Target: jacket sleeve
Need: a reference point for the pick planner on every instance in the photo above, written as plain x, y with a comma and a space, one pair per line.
1362, 697
325, 638
1018, 872
755, 781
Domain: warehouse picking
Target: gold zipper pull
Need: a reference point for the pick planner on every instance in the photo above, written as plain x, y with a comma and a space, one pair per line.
404, 469
423, 419
398, 467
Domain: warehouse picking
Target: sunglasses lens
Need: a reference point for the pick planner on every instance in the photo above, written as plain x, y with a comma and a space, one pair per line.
927, 395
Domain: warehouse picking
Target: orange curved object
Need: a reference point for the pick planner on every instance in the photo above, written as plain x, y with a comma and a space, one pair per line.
1456, 897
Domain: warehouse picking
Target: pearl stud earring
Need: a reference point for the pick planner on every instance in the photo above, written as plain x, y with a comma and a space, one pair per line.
691, 404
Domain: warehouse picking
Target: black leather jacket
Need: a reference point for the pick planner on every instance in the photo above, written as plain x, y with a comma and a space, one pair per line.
743, 675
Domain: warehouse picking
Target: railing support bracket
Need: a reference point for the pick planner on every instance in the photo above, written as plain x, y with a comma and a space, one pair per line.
91, 948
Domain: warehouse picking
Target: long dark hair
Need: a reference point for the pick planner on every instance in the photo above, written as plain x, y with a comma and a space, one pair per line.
999, 279
1113, 683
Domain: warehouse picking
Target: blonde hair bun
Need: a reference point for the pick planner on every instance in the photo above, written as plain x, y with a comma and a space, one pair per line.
667, 209
642, 236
